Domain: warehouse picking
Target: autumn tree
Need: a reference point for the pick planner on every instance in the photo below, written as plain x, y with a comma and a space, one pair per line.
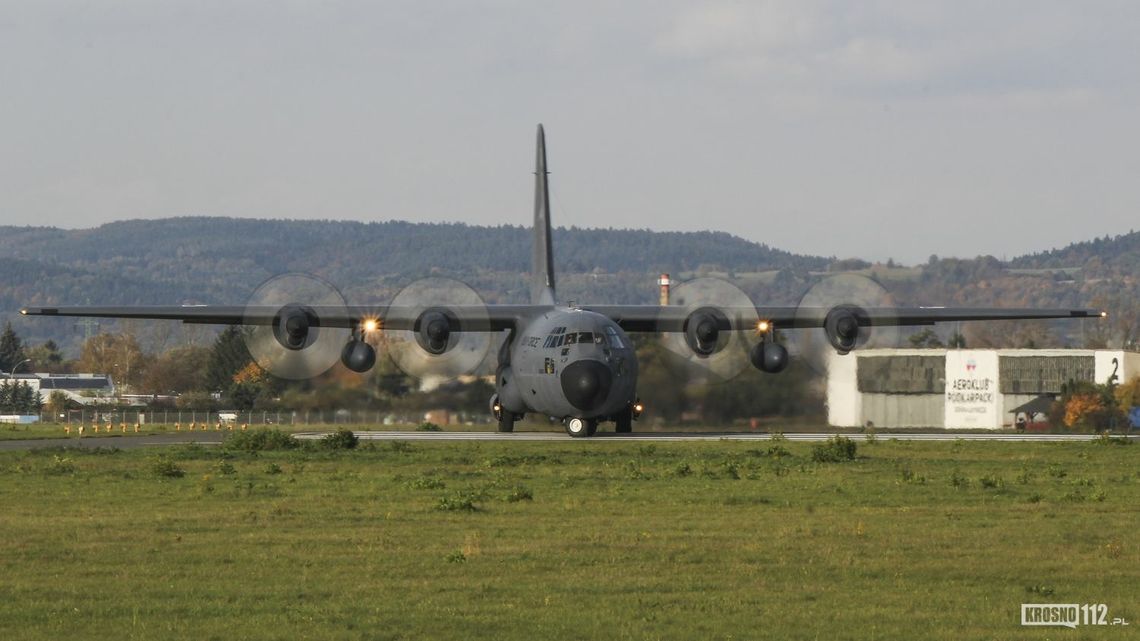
116, 354
1128, 394
1087, 405
177, 370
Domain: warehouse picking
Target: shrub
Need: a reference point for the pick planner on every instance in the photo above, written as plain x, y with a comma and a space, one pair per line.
425, 483
958, 480
908, 476
459, 501
519, 493
992, 482
341, 439
428, 426
456, 556
836, 450
1107, 439
273, 468
164, 467
776, 451
225, 468
60, 465
259, 440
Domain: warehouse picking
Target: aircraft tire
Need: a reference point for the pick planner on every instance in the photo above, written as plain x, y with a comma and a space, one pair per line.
623, 422
579, 427
506, 422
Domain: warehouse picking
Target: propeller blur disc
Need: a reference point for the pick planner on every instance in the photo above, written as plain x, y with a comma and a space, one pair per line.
732, 346
464, 309
322, 345
861, 292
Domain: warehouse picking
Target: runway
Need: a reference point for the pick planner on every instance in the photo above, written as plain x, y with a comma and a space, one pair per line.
215, 438
641, 437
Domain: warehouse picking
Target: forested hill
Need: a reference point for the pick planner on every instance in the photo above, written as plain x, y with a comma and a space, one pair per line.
221, 260
1100, 257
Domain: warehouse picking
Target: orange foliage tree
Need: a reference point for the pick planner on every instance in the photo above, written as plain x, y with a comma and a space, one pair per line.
1080, 408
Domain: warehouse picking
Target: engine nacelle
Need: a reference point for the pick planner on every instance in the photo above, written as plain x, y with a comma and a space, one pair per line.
433, 330
292, 326
842, 327
769, 357
358, 356
702, 330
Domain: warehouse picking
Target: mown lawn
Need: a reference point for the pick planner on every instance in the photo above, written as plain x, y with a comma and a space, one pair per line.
608, 540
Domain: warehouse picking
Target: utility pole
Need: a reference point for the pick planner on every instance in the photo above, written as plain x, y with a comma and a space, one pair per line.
90, 327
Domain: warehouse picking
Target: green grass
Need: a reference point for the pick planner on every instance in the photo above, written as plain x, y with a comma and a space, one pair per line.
571, 540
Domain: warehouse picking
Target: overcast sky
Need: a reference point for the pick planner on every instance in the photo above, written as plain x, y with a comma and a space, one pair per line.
873, 129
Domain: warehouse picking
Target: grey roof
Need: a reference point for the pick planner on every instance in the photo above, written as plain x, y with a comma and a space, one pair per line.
1039, 405
75, 382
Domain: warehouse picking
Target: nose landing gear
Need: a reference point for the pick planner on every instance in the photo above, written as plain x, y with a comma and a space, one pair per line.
579, 427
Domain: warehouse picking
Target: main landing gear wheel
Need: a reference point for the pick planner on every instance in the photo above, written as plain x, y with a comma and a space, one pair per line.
579, 427
506, 422
624, 421
505, 418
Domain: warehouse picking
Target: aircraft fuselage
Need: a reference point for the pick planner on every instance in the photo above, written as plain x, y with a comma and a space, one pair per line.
568, 363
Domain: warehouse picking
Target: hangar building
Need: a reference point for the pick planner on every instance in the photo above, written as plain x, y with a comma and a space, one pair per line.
959, 388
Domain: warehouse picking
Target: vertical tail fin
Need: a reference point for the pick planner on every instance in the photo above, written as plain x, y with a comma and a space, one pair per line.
542, 266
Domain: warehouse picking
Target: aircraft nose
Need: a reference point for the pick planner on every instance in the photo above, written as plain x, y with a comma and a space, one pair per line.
586, 384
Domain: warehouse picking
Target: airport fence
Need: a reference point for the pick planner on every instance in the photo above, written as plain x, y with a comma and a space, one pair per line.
251, 417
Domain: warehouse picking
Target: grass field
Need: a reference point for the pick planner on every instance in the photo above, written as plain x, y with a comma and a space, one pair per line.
574, 540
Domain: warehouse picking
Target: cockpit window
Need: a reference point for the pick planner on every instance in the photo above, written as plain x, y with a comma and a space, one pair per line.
613, 338
571, 338
585, 337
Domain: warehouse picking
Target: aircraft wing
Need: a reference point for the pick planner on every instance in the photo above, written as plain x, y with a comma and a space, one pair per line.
633, 318
671, 318
472, 318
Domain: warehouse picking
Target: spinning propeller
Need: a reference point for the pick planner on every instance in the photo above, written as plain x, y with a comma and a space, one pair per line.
296, 329
836, 316
436, 327
708, 346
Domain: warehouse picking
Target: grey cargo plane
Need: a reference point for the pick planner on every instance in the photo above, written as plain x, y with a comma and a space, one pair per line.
574, 363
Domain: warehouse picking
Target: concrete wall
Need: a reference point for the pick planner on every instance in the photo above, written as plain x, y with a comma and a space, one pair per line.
903, 410
844, 402
973, 395
1126, 365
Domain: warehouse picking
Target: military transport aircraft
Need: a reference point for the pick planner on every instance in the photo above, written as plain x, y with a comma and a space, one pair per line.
572, 362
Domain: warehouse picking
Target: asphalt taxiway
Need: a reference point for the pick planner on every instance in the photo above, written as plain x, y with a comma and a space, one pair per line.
215, 438
700, 436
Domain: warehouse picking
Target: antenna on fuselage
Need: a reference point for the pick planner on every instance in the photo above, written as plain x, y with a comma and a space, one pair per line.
542, 265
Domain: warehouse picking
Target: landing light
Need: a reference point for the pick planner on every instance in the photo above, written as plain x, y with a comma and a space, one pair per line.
1104, 314
637, 409
763, 326
371, 324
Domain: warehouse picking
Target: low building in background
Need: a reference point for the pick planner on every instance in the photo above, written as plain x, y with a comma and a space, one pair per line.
83, 389
960, 388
